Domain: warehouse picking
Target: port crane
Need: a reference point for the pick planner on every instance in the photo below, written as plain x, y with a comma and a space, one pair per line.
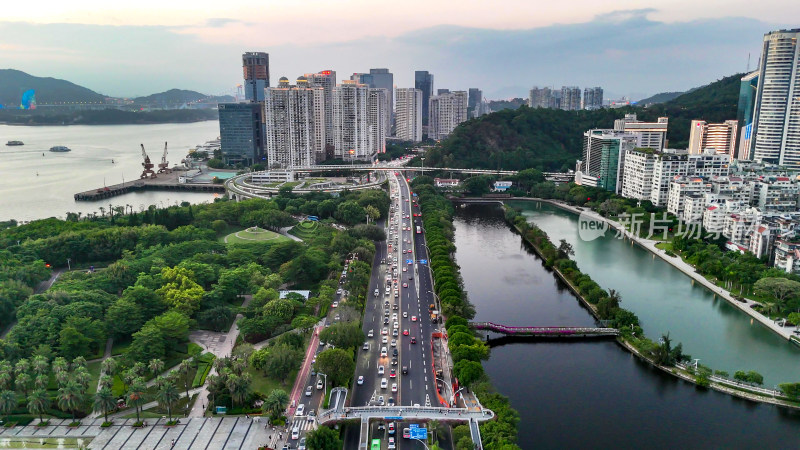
163, 166
148, 166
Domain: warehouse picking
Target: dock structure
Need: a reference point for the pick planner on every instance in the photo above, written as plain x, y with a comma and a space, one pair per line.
164, 182
546, 332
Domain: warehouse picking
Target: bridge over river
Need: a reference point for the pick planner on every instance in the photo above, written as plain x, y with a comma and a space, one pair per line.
546, 332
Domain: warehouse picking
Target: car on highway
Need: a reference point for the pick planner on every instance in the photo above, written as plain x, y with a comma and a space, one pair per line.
391, 427
385, 331
383, 351
360, 379
395, 307
394, 361
384, 383
406, 433
380, 400
371, 333
405, 370
320, 384
301, 409
366, 346
413, 340
395, 325
391, 401
386, 321
394, 352
394, 387
395, 332
394, 342
384, 340
392, 373
308, 391
405, 269
413, 318
380, 370
405, 314
405, 285
405, 332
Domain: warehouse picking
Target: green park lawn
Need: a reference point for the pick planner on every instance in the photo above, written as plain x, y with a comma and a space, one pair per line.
251, 235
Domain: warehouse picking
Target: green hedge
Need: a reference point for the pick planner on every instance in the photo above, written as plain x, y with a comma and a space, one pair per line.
204, 362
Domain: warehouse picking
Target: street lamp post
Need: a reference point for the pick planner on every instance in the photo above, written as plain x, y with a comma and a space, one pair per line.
324, 387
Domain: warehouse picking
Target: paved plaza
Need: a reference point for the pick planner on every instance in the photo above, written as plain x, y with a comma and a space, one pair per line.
194, 433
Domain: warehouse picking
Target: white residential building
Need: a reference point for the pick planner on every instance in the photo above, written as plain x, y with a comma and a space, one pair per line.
682, 187
446, 111
669, 164
787, 256
294, 123
774, 194
739, 225
648, 134
326, 79
637, 178
693, 208
378, 118
408, 114
603, 159
351, 127
709, 164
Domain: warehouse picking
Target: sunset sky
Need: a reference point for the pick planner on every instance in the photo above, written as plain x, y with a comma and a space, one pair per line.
628, 47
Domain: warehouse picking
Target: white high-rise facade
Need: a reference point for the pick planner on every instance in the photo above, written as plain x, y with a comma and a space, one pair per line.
648, 134
777, 106
408, 114
446, 112
350, 122
378, 117
570, 98
294, 120
327, 81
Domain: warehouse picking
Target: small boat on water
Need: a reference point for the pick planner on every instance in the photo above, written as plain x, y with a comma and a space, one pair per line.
13, 143
60, 149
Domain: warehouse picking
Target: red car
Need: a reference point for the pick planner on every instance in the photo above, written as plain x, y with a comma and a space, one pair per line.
393, 373
413, 340
413, 318
405, 332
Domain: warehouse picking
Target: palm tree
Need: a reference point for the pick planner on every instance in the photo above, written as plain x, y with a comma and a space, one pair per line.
238, 365
104, 401
108, 366
613, 294
167, 396
161, 381
70, 397
105, 381
5, 378
60, 365
184, 368
41, 381
8, 401
22, 366
62, 378
79, 361
83, 377
156, 366
38, 401
136, 395
23, 383
276, 402
139, 369
212, 381
40, 365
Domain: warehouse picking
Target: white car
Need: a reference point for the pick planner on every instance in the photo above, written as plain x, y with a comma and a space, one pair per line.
300, 410
405, 269
384, 340
394, 342
394, 387
370, 333
405, 314
361, 379
380, 370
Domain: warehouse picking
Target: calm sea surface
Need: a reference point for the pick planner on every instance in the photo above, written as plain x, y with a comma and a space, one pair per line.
36, 183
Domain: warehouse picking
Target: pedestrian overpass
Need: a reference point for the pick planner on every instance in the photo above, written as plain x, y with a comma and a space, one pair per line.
546, 332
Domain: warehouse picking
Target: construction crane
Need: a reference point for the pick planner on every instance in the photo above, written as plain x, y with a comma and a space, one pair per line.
148, 166
163, 166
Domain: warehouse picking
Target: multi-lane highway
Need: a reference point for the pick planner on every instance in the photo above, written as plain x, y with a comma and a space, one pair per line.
400, 313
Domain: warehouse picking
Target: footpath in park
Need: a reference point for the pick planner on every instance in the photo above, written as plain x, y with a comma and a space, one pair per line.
302, 375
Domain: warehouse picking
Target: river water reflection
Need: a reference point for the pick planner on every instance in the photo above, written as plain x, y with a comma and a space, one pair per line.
590, 393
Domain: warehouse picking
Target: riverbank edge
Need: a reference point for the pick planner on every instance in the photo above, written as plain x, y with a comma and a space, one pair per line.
650, 246
675, 371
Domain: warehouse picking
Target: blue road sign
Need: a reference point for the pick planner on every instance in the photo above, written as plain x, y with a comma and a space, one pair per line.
393, 418
423, 261
418, 433
408, 261
412, 426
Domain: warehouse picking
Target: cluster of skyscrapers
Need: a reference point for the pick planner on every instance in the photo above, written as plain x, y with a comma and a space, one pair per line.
316, 119
739, 178
568, 98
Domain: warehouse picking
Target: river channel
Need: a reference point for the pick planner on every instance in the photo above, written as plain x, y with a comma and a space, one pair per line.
579, 394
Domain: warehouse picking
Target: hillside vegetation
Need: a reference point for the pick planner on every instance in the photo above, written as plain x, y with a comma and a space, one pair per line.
178, 96
550, 139
48, 90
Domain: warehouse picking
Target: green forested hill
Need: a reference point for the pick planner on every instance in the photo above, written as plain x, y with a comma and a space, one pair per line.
550, 139
48, 90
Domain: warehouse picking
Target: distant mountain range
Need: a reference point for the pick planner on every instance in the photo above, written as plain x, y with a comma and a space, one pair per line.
662, 97
13, 83
177, 96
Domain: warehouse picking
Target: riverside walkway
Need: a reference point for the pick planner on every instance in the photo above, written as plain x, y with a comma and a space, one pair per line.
549, 332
